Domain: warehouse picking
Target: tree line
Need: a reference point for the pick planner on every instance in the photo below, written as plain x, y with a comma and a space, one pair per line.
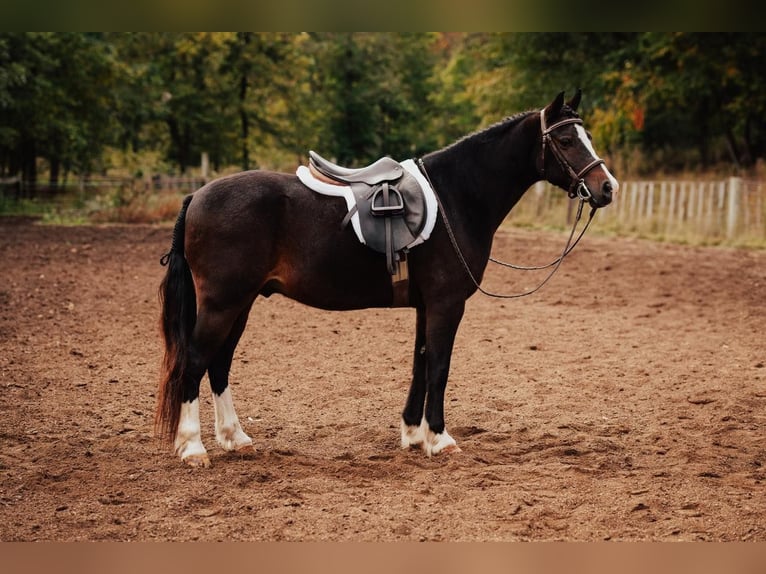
81, 103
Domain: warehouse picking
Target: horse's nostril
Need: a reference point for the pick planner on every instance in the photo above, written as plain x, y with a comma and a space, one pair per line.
606, 189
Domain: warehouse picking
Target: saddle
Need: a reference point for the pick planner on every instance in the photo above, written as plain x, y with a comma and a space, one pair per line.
385, 169
390, 205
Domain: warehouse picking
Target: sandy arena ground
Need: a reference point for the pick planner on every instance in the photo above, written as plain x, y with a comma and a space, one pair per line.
624, 401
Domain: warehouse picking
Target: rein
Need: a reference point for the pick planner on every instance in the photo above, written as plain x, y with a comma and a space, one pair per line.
566, 251
578, 189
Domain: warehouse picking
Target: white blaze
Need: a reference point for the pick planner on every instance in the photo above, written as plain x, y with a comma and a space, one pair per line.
583, 135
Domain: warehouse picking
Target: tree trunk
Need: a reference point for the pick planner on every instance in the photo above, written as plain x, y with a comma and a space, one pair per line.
245, 38
29, 168
748, 153
731, 146
180, 143
53, 179
245, 121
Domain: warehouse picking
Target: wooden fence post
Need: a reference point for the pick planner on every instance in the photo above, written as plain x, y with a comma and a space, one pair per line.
204, 165
735, 193
671, 209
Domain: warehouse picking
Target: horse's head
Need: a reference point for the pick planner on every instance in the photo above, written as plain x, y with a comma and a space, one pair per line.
567, 158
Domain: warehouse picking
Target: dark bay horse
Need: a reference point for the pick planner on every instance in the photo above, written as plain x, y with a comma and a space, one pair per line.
258, 233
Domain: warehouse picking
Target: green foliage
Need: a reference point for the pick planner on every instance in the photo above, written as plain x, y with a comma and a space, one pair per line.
375, 89
56, 96
655, 102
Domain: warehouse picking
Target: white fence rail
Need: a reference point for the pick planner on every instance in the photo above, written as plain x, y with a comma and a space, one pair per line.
729, 210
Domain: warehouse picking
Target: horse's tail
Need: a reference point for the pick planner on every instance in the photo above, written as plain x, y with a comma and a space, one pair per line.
179, 311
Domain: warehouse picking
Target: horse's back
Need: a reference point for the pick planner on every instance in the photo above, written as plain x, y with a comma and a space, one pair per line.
229, 197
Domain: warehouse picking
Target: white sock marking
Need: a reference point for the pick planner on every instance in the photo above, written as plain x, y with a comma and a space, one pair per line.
188, 438
422, 436
413, 435
228, 430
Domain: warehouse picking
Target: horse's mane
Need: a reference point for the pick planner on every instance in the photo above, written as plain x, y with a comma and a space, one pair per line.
493, 131
500, 128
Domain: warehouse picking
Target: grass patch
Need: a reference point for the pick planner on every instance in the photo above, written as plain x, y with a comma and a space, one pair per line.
118, 205
135, 206
24, 207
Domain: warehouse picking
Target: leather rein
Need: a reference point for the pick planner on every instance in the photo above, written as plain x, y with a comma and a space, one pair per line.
577, 189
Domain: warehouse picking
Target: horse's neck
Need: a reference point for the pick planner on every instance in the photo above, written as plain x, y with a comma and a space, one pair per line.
470, 181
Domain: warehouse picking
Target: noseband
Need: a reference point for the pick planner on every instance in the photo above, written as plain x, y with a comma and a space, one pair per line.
577, 187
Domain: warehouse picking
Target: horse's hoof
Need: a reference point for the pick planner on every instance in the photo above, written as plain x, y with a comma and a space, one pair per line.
246, 448
237, 445
440, 443
197, 460
451, 449
233, 439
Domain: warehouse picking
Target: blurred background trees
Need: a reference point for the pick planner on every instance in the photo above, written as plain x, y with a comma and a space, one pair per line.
73, 104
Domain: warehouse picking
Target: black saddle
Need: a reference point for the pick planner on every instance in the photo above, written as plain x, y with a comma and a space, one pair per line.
389, 201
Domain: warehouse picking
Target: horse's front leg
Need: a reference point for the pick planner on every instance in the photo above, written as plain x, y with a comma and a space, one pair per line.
440, 329
413, 423
442, 325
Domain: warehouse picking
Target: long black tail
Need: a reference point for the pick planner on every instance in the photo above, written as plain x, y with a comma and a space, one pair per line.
179, 311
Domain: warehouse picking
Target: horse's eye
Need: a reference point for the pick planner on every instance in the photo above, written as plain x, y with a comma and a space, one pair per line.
566, 141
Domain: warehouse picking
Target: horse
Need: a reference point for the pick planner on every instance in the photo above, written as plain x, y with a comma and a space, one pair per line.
256, 233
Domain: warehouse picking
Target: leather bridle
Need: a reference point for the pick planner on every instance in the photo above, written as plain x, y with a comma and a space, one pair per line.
577, 188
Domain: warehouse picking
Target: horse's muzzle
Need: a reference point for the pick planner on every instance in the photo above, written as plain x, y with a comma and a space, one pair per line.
605, 197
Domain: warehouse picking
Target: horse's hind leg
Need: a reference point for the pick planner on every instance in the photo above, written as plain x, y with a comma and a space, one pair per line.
228, 430
210, 332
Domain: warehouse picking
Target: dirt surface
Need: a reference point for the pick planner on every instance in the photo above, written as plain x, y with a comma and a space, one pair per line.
624, 401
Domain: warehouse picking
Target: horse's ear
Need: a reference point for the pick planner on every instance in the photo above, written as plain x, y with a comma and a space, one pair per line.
554, 108
575, 101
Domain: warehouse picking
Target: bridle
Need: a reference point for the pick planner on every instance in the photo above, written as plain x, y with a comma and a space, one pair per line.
577, 188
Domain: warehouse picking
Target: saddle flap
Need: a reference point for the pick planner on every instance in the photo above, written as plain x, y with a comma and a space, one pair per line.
398, 209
